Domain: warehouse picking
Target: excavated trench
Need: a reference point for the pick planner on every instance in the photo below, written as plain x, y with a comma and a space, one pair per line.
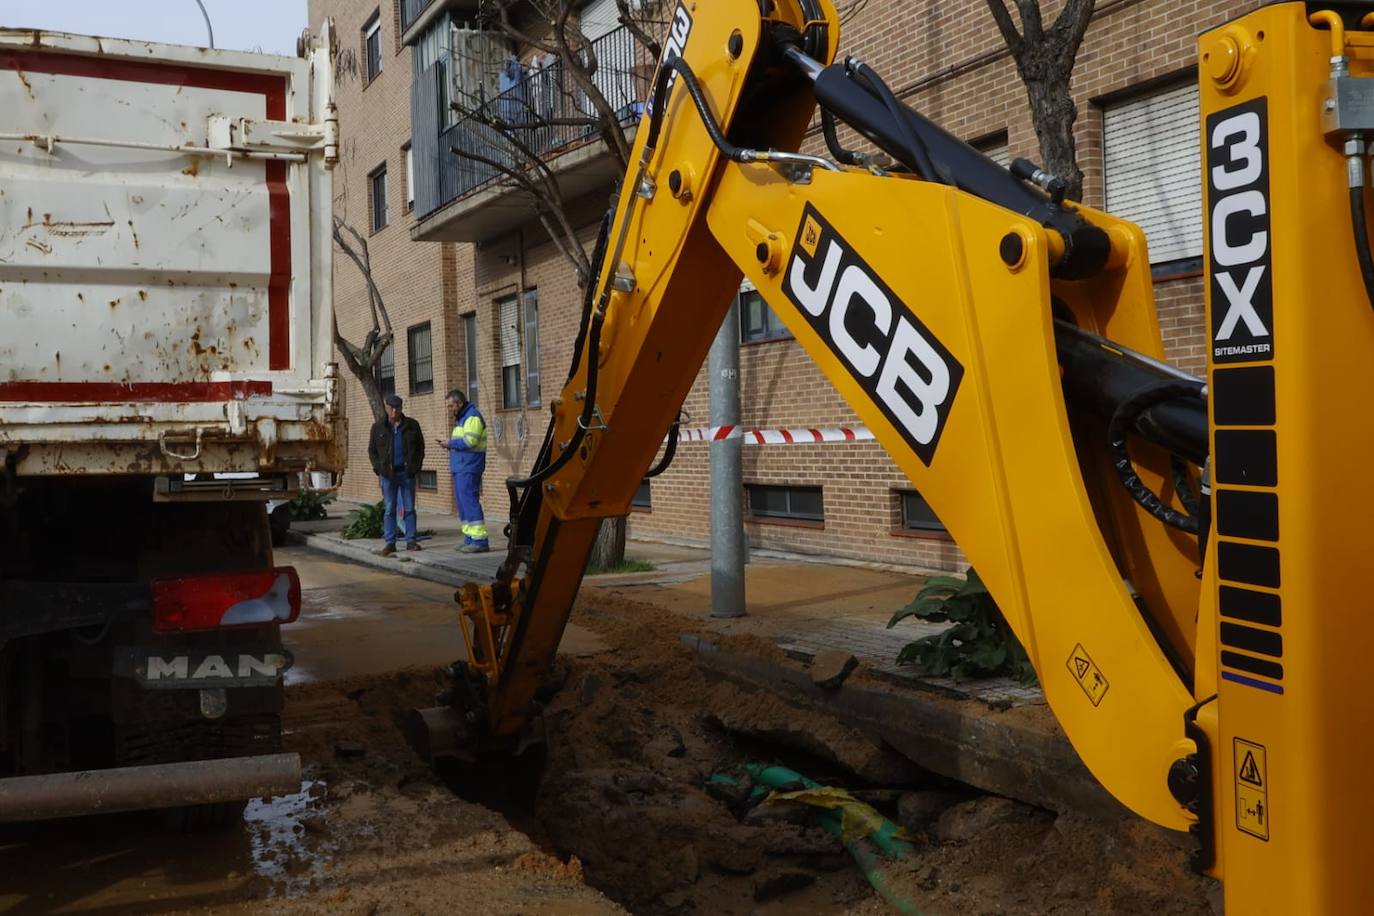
635, 735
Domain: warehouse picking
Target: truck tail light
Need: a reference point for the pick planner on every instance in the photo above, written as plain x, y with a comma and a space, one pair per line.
210, 602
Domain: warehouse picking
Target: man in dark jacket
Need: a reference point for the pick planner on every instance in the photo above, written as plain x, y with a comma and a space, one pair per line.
467, 459
396, 449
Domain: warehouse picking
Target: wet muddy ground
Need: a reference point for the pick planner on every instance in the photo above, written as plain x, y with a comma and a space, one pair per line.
621, 820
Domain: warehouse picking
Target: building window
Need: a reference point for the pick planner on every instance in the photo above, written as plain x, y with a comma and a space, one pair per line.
1152, 164
428, 480
410, 178
916, 514
803, 503
756, 320
531, 316
421, 352
372, 47
642, 498
470, 342
508, 339
377, 197
995, 148
386, 371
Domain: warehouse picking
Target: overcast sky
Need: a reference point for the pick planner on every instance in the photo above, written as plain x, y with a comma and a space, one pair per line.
240, 25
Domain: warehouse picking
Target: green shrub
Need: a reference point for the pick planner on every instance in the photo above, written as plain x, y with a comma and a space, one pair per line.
980, 643
310, 505
365, 522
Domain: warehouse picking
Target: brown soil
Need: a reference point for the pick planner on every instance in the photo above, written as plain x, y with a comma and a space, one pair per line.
635, 733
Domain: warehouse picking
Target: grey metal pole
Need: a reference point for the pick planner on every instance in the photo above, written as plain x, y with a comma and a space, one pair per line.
727, 487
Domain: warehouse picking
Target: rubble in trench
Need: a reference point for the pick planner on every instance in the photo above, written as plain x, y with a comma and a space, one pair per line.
634, 734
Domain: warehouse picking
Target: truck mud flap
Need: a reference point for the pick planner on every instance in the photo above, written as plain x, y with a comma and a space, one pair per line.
166, 785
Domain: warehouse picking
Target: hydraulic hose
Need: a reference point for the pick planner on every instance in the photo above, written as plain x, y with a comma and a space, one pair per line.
669, 451
924, 165
689, 79
1123, 420
1360, 220
832, 140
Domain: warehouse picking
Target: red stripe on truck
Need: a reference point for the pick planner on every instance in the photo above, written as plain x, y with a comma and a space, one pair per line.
273, 89
124, 393
279, 276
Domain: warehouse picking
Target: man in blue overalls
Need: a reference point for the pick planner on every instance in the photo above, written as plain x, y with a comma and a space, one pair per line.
467, 459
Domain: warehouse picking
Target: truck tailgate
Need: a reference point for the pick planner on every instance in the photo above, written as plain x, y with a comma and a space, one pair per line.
164, 258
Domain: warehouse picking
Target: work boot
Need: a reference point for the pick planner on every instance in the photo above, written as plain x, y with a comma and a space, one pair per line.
388, 550
475, 547
412, 545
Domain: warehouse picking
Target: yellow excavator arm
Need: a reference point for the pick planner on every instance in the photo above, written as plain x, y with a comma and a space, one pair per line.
1202, 650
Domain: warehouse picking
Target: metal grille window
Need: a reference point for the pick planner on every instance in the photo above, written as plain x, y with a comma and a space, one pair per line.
377, 199
421, 352
386, 371
470, 343
642, 498
428, 480
804, 503
1152, 163
756, 320
917, 514
508, 338
531, 301
372, 46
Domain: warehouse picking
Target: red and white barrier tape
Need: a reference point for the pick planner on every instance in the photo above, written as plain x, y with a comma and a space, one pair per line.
789, 436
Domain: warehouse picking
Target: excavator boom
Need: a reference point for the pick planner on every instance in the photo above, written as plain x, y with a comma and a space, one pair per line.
1003, 345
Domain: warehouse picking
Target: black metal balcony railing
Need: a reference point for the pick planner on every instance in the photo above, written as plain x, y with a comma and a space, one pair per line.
544, 113
411, 10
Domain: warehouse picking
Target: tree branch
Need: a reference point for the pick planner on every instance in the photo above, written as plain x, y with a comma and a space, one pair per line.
1002, 17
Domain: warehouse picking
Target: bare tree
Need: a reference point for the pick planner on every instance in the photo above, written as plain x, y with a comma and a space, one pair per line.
362, 359
516, 135
1045, 60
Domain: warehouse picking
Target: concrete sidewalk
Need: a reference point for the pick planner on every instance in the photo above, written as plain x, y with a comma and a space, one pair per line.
439, 559
993, 734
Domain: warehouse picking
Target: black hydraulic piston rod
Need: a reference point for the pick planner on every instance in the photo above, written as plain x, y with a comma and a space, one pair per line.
854, 100
1100, 376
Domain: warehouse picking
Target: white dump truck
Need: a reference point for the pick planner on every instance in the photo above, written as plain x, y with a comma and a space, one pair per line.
165, 317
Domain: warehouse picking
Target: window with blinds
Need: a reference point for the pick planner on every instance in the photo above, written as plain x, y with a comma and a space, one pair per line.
1152, 170
508, 339
600, 17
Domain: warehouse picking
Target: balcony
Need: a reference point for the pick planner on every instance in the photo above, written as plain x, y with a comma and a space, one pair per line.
463, 189
419, 15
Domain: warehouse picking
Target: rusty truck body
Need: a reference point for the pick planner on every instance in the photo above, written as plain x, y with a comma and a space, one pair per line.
165, 317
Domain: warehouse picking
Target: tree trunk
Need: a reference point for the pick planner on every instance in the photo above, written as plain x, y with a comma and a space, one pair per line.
609, 549
1054, 113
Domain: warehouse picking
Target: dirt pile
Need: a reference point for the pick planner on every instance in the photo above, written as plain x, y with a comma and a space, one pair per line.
635, 733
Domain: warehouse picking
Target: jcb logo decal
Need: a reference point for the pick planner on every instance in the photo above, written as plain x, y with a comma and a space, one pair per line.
1238, 181
893, 356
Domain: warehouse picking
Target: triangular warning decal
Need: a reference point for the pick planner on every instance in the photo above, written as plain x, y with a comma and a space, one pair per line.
1249, 770
1081, 666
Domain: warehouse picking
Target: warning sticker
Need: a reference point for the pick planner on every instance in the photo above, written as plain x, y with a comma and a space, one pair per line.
1252, 788
1087, 674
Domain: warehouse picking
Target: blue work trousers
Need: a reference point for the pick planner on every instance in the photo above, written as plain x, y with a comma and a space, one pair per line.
467, 495
398, 495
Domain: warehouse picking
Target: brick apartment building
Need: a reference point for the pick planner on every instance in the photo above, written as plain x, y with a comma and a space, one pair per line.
482, 300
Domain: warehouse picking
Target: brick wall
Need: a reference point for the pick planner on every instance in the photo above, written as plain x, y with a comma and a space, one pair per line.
944, 58
418, 282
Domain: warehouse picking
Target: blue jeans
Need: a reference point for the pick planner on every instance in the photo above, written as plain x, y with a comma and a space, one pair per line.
398, 493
